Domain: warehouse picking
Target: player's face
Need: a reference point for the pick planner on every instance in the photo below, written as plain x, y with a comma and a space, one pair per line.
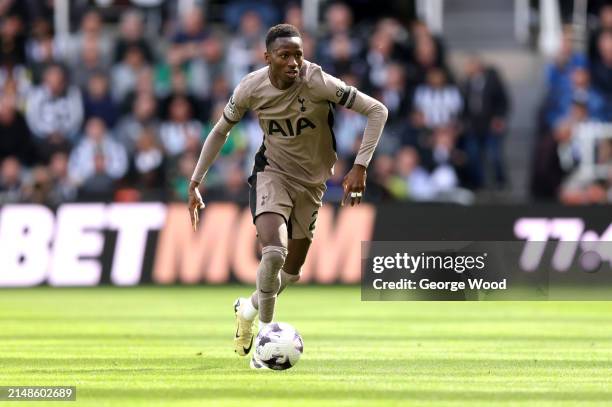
285, 59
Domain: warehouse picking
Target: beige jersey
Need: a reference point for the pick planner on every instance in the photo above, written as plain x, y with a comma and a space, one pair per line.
297, 123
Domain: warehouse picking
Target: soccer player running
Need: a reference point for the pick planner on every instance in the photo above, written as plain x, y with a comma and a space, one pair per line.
294, 101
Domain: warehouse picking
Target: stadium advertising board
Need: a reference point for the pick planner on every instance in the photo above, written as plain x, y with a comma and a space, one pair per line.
130, 244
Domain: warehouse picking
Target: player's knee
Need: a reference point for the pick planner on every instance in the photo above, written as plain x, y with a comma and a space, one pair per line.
274, 257
269, 281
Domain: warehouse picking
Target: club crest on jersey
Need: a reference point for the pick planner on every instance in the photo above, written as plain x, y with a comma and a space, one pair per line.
288, 129
302, 100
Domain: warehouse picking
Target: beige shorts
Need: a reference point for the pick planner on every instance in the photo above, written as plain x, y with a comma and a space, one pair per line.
298, 204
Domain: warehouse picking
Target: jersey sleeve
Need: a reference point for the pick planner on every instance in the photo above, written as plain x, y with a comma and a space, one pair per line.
330, 88
238, 103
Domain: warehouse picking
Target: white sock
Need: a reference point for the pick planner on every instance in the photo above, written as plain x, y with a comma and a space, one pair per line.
248, 310
262, 325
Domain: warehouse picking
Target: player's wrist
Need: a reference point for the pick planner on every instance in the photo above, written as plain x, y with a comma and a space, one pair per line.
194, 184
359, 167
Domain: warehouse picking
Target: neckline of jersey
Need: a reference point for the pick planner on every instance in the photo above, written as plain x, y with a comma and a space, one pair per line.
281, 90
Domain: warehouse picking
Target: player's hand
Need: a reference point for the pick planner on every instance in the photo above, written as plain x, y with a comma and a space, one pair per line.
354, 184
195, 204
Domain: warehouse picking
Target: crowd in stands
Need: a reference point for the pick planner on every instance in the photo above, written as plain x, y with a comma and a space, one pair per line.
109, 113
579, 92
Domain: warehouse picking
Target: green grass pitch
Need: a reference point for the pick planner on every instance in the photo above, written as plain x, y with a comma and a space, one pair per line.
153, 346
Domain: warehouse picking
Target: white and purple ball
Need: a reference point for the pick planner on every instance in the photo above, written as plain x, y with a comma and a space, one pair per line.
278, 346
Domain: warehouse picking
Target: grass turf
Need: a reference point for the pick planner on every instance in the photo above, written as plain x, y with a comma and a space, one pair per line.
173, 346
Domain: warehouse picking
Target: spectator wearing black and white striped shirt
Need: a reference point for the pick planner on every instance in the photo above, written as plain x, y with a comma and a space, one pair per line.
97, 142
54, 111
439, 101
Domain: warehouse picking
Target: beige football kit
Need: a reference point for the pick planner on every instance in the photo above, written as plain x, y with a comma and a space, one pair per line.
298, 151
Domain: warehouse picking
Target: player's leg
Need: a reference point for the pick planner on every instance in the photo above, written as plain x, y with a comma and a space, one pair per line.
272, 232
270, 205
290, 273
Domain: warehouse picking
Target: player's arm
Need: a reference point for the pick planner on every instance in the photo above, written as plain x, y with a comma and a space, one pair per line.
336, 91
355, 180
233, 112
210, 151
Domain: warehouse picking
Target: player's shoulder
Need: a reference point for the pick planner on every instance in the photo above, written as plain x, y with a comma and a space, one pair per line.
253, 80
310, 72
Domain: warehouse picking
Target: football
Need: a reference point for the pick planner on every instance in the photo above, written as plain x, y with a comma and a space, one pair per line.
278, 346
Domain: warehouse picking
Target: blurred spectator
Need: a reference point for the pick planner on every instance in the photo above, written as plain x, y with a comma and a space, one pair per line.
180, 180
131, 34
13, 7
144, 85
90, 34
559, 72
40, 33
143, 115
15, 81
99, 186
180, 87
485, 119
10, 181
125, 74
89, 63
604, 24
97, 153
268, 10
147, 165
42, 50
439, 101
308, 45
198, 73
64, 187
412, 180
12, 41
557, 154
420, 34
190, 36
244, 45
350, 126
426, 54
401, 37
379, 57
559, 105
97, 100
234, 189
580, 190
601, 68
341, 62
180, 132
377, 184
338, 22
394, 95
15, 137
54, 111
39, 188
294, 16
445, 159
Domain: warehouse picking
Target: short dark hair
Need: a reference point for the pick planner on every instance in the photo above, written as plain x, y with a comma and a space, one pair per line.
281, 31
